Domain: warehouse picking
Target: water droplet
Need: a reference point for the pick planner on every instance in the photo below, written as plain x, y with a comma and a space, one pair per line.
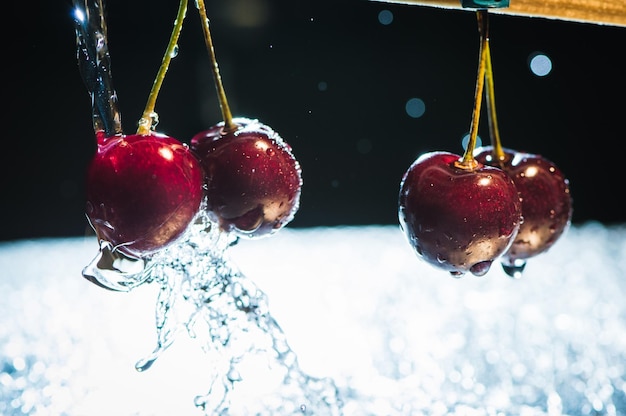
481, 269
145, 363
100, 42
233, 375
174, 52
514, 269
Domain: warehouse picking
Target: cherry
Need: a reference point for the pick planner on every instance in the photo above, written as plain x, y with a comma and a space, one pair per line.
459, 214
143, 190
457, 218
252, 179
546, 202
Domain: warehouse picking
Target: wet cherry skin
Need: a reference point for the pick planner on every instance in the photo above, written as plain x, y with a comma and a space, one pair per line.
252, 179
142, 191
456, 219
546, 202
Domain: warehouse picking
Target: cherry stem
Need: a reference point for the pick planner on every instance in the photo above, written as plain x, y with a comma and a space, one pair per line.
229, 125
494, 132
468, 161
150, 119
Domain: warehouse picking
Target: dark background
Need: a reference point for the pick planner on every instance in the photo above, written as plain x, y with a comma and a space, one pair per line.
353, 139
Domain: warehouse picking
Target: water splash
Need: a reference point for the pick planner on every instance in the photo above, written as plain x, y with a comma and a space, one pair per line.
203, 294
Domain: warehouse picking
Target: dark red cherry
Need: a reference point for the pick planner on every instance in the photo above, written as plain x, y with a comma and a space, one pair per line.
546, 202
458, 219
142, 191
252, 179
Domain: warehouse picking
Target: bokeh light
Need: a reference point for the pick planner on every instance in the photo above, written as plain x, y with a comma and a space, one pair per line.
540, 64
465, 140
415, 107
385, 17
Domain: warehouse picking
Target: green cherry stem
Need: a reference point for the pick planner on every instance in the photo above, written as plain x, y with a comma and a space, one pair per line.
229, 125
150, 119
494, 132
468, 161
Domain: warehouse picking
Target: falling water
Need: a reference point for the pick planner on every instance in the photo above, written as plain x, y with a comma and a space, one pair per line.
202, 293
94, 64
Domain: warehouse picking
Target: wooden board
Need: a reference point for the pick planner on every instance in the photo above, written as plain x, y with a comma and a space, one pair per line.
600, 12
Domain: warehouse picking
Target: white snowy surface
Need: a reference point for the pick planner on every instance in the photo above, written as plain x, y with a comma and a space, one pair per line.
398, 336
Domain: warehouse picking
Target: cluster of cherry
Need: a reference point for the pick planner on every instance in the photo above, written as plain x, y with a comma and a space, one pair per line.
462, 213
145, 189
461, 220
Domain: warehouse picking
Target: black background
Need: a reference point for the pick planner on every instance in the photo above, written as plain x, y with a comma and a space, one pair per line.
354, 139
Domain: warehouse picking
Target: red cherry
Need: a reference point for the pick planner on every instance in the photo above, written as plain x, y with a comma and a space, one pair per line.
142, 191
455, 218
252, 179
546, 203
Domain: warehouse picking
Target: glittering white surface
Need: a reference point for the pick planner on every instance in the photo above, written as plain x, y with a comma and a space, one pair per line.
356, 304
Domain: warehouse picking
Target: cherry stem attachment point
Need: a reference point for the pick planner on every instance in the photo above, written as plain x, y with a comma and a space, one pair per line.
226, 114
490, 96
468, 161
150, 119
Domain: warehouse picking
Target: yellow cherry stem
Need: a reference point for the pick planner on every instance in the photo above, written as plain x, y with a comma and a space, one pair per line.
226, 114
150, 119
468, 161
494, 132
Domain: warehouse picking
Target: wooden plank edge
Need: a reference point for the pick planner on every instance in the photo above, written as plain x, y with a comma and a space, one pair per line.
598, 12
